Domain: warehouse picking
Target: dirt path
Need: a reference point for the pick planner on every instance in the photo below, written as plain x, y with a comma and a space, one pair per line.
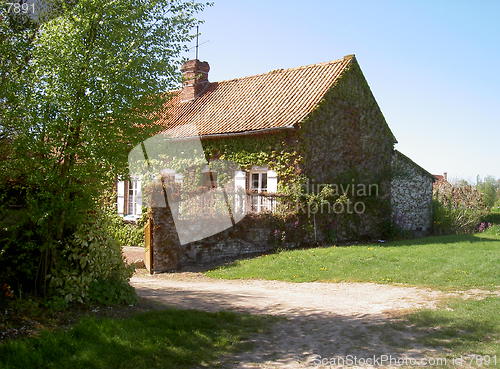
191, 290
323, 320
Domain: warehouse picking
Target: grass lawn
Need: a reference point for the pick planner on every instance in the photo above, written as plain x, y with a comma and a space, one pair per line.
157, 339
462, 326
444, 262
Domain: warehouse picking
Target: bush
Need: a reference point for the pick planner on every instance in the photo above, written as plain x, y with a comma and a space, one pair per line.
457, 209
20, 252
492, 217
91, 267
127, 233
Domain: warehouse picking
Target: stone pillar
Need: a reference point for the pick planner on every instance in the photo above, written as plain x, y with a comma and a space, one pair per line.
166, 245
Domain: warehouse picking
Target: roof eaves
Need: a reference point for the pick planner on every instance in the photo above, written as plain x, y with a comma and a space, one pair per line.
241, 133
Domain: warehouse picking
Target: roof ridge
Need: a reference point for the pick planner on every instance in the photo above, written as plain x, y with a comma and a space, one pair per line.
347, 57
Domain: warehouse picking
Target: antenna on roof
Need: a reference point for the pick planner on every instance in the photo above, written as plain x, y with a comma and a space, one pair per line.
197, 33
198, 44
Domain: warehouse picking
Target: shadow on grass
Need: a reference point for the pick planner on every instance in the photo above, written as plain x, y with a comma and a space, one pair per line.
464, 326
156, 339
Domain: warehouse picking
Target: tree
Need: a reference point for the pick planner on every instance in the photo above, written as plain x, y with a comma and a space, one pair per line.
79, 89
489, 188
461, 183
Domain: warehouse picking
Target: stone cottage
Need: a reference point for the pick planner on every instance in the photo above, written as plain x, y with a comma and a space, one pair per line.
313, 135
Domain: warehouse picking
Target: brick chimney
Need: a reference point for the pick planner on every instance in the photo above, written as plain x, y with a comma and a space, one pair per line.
194, 79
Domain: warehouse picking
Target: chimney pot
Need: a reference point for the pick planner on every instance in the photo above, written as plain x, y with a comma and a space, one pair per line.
194, 79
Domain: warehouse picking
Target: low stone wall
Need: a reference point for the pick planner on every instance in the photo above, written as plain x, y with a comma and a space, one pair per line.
230, 244
252, 235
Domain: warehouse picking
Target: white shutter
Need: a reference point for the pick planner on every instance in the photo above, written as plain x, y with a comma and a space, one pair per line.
240, 181
138, 201
120, 201
272, 181
240, 186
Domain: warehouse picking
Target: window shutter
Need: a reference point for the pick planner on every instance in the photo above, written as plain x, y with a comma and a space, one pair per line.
138, 201
126, 187
120, 201
272, 181
240, 186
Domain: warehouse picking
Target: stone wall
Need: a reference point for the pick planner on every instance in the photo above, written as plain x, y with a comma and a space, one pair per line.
411, 196
252, 235
245, 238
347, 140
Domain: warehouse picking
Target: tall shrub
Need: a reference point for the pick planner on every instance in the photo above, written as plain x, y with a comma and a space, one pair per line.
457, 209
91, 266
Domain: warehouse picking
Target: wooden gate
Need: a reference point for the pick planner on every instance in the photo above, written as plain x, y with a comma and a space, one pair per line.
148, 246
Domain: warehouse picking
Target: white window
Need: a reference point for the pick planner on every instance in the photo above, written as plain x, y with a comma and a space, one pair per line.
129, 199
132, 197
258, 185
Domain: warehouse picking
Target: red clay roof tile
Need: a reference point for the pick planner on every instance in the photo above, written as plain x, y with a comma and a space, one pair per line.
278, 99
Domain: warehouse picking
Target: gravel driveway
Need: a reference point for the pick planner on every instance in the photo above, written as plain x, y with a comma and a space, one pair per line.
323, 320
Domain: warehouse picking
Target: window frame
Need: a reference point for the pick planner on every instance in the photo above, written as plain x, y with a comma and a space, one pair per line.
257, 200
260, 173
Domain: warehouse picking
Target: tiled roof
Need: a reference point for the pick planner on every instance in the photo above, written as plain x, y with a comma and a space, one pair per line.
440, 178
273, 100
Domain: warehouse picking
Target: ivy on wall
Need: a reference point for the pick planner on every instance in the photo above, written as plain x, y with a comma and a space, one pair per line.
276, 151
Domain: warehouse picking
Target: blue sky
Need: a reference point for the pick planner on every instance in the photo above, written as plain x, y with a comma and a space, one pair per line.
433, 66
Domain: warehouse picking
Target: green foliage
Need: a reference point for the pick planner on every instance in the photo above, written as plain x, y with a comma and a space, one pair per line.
391, 231
457, 209
277, 152
173, 339
77, 92
493, 219
111, 291
91, 267
494, 230
20, 251
455, 220
127, 233
490, 188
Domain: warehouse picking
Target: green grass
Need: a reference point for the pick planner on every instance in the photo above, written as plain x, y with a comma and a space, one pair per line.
444, 262
157, 339
464, 327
